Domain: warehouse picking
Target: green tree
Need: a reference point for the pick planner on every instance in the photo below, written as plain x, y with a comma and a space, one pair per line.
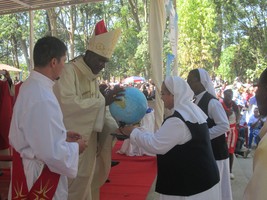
196, 37
245, 26
14, 31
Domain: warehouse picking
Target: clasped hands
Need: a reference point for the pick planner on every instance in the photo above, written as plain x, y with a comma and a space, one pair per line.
76, 137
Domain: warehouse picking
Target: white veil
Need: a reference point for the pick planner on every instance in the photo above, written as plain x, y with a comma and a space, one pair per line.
206, 81
183, 96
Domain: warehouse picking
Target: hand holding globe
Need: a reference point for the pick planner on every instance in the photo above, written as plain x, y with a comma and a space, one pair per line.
127, 130
112, 95
131, 108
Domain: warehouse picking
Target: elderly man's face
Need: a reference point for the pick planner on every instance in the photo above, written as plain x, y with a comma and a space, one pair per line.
95, 61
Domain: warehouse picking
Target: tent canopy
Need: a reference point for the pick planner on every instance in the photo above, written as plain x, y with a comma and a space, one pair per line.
9, 68
134, 79
14, 6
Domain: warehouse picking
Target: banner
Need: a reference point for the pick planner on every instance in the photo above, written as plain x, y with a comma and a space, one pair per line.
173, 34
173, 31
170, 59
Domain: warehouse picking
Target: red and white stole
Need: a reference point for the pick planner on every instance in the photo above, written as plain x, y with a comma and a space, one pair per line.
44, 188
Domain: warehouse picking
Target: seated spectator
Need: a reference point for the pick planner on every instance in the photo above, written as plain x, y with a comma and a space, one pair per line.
151, 92
144, 89
241, 144
252, 104
255, 124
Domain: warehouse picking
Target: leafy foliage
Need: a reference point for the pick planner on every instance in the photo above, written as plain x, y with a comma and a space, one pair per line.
228, 38
196, 36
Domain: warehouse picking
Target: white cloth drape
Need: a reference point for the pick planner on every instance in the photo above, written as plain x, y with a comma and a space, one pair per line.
157, 21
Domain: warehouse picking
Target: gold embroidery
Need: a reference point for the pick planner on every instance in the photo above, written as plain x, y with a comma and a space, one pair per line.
18, 191
41, 193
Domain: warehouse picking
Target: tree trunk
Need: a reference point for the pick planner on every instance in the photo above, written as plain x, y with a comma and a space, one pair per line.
134, 9
52, 19
25, 53
219, 26
71, 31
14, 51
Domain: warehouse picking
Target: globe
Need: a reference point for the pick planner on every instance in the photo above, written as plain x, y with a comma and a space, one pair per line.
132, 107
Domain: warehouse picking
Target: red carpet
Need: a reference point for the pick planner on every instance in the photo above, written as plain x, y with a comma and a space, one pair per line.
4, 183
131, 179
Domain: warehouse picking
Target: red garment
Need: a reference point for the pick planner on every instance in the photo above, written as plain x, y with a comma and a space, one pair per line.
7, 102
232, 107
231, 138
232, 134
6, 109
100, 28
44, 187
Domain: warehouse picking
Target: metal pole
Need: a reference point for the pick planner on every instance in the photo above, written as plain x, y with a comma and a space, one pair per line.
175, 67
31, 38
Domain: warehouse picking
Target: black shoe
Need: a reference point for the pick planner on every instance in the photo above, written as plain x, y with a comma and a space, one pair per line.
120, 136
114, 163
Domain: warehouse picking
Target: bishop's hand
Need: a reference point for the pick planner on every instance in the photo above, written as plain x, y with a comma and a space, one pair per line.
113, 95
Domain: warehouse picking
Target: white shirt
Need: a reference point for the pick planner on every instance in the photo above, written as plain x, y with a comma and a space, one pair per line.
217, 113
174, 131
37, 132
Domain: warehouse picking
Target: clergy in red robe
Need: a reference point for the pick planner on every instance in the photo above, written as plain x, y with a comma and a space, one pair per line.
6, 107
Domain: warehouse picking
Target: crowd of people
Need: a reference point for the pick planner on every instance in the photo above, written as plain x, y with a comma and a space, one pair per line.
244, 103
240, 104
148, 88
59, 128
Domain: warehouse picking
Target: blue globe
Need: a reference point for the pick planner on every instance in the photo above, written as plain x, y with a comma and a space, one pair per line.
132, 107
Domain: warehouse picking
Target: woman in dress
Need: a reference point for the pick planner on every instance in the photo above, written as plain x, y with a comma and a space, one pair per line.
186, 166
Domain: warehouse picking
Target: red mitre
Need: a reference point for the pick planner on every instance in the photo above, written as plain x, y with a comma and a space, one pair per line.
100, 28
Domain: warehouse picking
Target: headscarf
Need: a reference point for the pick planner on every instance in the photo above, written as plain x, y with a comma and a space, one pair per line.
183, 96
206, 81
